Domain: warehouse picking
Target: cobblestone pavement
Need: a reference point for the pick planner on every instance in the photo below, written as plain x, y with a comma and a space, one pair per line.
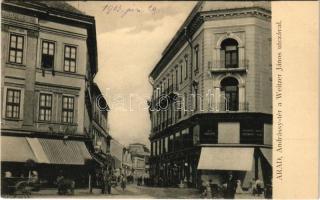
133, 191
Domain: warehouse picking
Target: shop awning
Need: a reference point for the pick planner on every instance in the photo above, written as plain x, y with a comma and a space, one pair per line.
117, 162
38, 150
65, 151
226, 158
16, 149
267, 153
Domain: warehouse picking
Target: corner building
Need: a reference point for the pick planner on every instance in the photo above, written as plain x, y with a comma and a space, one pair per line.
211, 107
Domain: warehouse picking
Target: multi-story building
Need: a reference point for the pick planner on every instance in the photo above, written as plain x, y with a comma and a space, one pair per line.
140, 156
49, 56
99, 131
211, 107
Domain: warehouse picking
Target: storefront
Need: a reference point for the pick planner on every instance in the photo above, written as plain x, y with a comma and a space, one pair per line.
49, 157
245, 163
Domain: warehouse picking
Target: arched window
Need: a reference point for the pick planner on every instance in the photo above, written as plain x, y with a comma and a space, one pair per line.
229, 92
229, 53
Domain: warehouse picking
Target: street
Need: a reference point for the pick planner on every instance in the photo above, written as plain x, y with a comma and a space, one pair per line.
134, 191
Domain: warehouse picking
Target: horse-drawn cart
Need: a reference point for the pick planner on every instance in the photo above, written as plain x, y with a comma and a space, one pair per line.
14, 186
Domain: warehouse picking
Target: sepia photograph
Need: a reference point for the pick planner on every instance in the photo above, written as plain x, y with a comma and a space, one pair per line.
138, 99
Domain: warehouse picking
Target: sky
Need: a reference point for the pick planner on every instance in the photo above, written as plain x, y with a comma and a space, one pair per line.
131, 37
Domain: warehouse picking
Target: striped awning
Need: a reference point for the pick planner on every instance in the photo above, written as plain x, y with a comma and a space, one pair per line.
16, 149
65, 151
42, 150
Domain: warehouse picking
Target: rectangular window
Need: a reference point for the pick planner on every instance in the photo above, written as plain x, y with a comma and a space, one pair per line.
176, 79
196, 55
45, 107
172, 82
185, 104
16, 48
47, 59
13, 103
70, 53
181, 70
67, 109
186, 66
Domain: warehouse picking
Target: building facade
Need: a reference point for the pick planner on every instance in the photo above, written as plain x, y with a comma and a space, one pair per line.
140, 156
49, 56
126, 162
99, 130
116, 150
211, 107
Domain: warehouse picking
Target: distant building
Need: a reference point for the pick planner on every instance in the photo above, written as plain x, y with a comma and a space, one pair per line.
140, 156
116, 151
211, 107
127, 162
49, 56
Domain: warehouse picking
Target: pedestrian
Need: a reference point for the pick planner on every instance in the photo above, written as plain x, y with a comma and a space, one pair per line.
108, 183
258, 186
34, 181
252, 186
123, 182
102, 179
239, 188
268, 190
59, 182
230, 187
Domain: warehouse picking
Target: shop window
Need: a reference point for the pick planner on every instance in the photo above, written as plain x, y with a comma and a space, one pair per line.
251, 132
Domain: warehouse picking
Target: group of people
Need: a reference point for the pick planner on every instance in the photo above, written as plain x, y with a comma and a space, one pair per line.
106, 180
233, 186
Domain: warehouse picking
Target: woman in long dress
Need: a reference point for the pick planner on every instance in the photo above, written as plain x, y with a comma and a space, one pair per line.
239, 189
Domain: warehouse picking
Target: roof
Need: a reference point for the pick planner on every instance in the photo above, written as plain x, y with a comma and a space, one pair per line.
61, 5
58, 5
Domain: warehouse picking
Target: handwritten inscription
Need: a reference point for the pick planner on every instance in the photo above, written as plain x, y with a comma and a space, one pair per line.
125, 11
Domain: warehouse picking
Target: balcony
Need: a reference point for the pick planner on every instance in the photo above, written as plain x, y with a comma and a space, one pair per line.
227, 106
220, 66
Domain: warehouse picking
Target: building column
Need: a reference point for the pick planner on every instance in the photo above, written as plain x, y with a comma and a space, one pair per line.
218, 58
241, 57
242, 100
29, 97
217, 98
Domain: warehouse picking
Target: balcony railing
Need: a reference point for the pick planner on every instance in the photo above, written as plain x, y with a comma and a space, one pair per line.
221, 64
226, 106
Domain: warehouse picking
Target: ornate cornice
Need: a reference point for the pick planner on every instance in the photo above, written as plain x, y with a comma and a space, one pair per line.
235, 13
